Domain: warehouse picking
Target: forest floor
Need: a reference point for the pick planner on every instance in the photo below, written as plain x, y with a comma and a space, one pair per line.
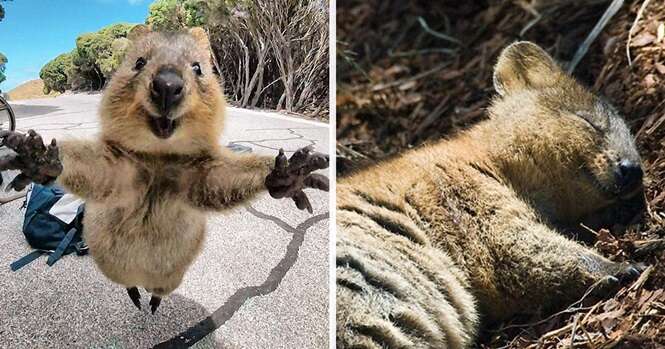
412, 71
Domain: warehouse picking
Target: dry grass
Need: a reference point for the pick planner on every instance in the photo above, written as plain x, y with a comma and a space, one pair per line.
30, 90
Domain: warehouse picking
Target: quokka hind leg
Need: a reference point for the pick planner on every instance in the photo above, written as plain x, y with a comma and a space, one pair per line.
538, 269
155, 298
135, 296
155, 301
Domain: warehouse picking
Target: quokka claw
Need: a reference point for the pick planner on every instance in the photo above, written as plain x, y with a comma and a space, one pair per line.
317, 181
606, 287
302, 202
154, 303
18, 183
37, 162
291, 176
630, 273
135, 296
623, 275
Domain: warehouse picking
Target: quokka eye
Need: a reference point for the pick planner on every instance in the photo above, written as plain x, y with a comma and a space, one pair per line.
140, 63
588, 118
196, 67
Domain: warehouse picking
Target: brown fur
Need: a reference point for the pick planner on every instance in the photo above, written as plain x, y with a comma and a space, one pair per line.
464, 227
147, 197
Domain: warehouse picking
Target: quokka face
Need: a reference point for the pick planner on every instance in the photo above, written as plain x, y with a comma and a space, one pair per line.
588, 150
164, 98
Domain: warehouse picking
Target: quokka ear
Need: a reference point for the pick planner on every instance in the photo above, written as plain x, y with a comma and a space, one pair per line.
201, 37
137, 32
524, 65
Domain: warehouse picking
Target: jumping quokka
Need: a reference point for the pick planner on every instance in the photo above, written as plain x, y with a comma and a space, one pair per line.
462, 231
157, 167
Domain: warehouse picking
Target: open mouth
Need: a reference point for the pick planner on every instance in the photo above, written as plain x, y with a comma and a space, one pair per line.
162, 126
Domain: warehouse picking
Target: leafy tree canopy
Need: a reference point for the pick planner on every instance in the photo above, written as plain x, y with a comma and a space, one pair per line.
174, 15
96, 50
55, 73
96, 56
164, 15
3, 61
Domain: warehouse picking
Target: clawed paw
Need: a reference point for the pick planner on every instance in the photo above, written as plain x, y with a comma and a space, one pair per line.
37, 162
622, 275
629, 272
291, 176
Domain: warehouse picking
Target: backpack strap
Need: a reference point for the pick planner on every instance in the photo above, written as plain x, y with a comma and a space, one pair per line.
62, 246
26, 259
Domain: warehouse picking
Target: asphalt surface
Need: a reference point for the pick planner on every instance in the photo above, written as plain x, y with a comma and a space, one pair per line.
260, 282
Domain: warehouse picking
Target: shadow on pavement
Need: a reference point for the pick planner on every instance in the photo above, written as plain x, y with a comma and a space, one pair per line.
84, 317
72, 305
27, 110
144, 330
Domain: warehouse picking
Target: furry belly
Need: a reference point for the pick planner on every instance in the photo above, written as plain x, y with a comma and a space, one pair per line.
148, 249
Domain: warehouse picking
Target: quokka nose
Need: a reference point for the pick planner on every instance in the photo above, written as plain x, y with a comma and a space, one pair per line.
629, 175
167, 89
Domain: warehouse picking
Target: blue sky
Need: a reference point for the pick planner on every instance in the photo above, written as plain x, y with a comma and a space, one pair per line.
36, 31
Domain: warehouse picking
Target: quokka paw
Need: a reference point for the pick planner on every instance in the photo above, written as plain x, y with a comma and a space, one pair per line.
628, 273
291, 176
37, 162
621, 274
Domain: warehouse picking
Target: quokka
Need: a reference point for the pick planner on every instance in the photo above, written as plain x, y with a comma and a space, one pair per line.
156, 169
463, 231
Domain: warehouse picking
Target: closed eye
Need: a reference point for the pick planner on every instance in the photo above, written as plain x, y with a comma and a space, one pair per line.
586, 118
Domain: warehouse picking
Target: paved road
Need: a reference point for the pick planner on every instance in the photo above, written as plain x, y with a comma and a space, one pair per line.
260, 282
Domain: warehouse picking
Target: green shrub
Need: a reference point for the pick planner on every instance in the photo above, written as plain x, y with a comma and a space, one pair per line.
3, 61
55, 73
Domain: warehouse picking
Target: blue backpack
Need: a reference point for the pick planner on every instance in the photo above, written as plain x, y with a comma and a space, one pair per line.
53, 224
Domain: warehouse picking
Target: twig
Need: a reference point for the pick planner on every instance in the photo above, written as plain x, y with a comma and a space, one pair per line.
555, 332
422, 52
602, 22
632, 30
531, 23
531, 324
437, 34
567, 310
643, 248
642, 279
587, 335
572, 334
430, 118
345, 150
439, 67
595, 233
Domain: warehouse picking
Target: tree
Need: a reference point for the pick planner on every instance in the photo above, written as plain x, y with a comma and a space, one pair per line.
97, 56
55, 73
3, 58
2, 10
3, 61
272, 53
165, 15
174, 15
91, 63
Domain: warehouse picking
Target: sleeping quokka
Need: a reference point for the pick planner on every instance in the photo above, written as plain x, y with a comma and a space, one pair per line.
463, 231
